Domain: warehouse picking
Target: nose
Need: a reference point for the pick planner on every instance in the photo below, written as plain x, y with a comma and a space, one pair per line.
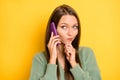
70, 31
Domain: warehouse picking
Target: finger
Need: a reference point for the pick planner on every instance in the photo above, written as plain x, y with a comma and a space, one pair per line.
55, 42
52, 34
52, 38
66, 46
51, 42
69, 46
68, 49
67, 52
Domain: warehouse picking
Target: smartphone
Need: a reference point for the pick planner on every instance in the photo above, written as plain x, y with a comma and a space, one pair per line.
53, 29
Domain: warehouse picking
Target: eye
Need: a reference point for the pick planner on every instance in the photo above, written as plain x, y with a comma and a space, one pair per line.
75, 27
63, 27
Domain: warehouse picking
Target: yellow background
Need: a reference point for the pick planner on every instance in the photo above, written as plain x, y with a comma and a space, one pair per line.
22, 30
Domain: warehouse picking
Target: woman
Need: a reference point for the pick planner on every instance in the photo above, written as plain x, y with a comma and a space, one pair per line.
63, 59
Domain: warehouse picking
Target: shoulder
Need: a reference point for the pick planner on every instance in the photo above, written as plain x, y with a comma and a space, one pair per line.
40, 57
85, 49
85, 52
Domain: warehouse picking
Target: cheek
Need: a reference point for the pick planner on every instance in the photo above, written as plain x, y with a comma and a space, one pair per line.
75, 33
61, 34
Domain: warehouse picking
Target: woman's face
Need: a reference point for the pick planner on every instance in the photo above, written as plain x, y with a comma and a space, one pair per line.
67, 28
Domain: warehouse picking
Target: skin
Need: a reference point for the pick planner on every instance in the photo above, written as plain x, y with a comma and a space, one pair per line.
67, 31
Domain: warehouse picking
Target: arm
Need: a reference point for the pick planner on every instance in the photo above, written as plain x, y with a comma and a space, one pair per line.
91, 71
41, 70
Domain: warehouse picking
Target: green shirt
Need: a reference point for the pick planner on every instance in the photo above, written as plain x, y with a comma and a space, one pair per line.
89, 70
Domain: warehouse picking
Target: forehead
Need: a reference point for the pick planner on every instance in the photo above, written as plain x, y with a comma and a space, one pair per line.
68, 19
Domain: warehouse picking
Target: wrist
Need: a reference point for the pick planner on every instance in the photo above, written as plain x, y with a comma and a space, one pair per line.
52, 61
73, 64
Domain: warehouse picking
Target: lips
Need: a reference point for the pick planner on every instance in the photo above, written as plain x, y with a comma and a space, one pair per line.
69, 39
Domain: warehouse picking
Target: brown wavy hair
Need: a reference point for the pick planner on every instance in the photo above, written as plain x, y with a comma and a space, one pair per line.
55, 17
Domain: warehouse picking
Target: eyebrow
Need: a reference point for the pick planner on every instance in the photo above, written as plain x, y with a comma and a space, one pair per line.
68, 24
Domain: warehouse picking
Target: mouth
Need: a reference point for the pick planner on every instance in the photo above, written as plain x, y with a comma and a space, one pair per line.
70, 39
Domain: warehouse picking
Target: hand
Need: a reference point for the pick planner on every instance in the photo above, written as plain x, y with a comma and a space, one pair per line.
52, 47
70, 54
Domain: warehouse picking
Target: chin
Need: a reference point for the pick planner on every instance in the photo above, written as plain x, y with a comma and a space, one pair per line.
67, 42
